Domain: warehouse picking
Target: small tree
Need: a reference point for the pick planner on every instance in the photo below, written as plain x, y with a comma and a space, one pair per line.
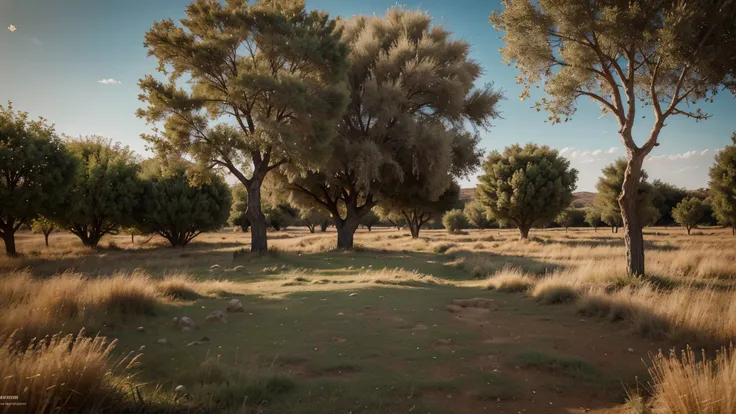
133, 231
723, 185
666, 196
478, 215
417, 209
312, 218
455, 221
688, 213
369, 220
238, 216
35, 172
529, 186
178, 209
42, 225
280, 216
106, 191
593, 218
564, 219
265, 87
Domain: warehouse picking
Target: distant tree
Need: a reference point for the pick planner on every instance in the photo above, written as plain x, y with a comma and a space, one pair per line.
564, 219
455, 220
178, 209
133, 231
688, 213
609, 189
478, 215
417, 209
106, 190
369, 220
528, 186
312, 218
666, 197
593, 218
391, 216
35, 172
665, 54
324, 224
42, 225
272, 69
239, 207
280, 216
412, 94
723, 185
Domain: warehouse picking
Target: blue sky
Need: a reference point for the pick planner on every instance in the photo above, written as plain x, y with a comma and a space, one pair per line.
53, 62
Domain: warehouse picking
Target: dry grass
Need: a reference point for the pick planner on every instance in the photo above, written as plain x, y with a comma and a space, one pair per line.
64, 373
511, 280
689, 384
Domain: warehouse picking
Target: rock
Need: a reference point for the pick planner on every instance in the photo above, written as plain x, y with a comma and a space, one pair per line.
235, 306
142, 348
185, 324
353, 294
216, 317
238, 267
163, 341
175, 321
631, 350
140, 329
199, 342
214, 267
454, 308
180, 389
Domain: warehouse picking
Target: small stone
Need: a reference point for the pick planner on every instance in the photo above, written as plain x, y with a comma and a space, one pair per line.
142, 348
180, 389
631, 350
235, 306
140, 329
163, 341
353, 294
216, 317
214, 267
185, 323
238, 267
186, 329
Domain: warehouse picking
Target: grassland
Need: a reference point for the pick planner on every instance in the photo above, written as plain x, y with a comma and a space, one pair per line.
475, 322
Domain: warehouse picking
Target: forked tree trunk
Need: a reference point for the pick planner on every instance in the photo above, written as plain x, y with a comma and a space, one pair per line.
9, 239
688, 230
258, 226
633, 235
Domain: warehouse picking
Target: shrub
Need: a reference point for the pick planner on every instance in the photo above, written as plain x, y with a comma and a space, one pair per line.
455, 221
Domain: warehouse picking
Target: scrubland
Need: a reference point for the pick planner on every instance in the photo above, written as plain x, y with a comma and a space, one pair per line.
385, 328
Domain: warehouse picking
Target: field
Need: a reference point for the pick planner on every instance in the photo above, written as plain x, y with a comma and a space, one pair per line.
464, 323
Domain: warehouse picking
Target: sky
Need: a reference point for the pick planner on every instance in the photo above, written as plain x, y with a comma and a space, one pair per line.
77, 64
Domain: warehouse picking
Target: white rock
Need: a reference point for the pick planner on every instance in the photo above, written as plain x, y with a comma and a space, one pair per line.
353, 294
185, 323
238, 267
163, 341
141, 329
214, 267
631, 350
216, 317
180, 389
142, 348
235, 306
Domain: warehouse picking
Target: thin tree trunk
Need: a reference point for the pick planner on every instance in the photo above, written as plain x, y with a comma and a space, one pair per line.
323, 226
258, 226
688, 230
46, 239
132, 238
9, 239
633, 234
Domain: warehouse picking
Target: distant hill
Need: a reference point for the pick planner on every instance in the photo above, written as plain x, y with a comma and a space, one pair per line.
584, 198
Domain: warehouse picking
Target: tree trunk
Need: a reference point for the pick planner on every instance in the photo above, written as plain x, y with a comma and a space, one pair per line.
688, 230
523, 232
323, 226
633, 235
346, 232
46, 239
9, 239
258, 226
414, 230
132, 238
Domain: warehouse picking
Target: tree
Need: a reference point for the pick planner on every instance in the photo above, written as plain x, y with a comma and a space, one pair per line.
593, 218
133, 231
608, 192
412, 94
666, 197
239, 209
688, 213
564, 219
665, 54
42, 225
280, 216
455, 221
392, 217
35, 172
723, 185
478, 215
417, 209
369, 220
105, 192
178, 209
312, 218
528, 186
266, 89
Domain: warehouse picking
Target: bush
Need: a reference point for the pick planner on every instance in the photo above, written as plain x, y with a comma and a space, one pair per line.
455, 221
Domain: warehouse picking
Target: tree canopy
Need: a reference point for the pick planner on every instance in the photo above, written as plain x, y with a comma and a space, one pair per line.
723, 185
688, 213
35, 172
609, 189
265, 87
455, 221
528, 186
478, 215
411, 96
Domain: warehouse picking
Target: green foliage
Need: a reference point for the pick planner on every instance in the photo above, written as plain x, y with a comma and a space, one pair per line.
564, 219
280, 216
723, 185
609, 188
403, 136
593, 217
478, 215
689, 212
265, 86
312, 217
106, 191
666, 197
35, 172
416, 210
455, 221
528, 186
45, 226
178, 209
239, 207
369, 220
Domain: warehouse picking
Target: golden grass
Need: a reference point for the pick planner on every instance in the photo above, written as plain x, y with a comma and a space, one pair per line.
64, 373
511, 280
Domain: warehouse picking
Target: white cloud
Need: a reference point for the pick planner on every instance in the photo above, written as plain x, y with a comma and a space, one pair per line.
36, 41
597, 152
12, 28
611, 150
564, 150
110, 81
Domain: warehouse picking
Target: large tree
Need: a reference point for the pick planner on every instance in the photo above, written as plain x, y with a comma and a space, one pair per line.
105, 192
609, 190
265, 86
527, 186
411, 95
177, 208
35, 172
621, 54
723, 185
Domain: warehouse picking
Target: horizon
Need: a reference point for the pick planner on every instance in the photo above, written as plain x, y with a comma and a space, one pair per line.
84, 67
